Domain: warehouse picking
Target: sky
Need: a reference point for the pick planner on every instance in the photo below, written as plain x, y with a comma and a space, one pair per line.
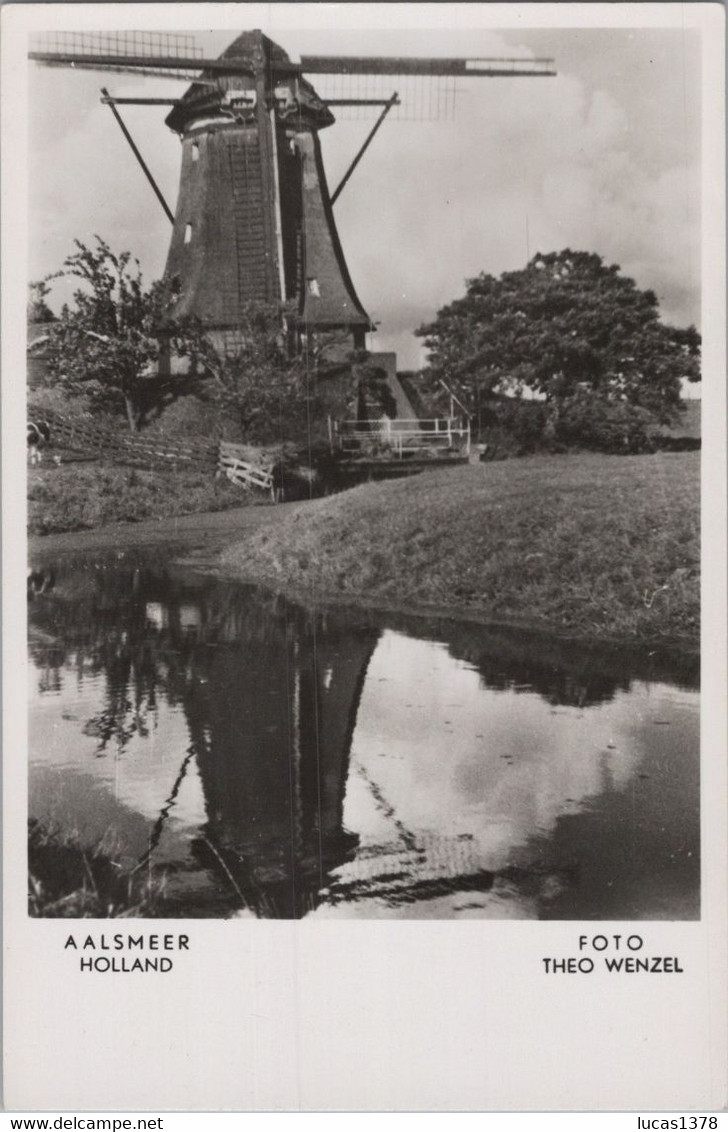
605, 157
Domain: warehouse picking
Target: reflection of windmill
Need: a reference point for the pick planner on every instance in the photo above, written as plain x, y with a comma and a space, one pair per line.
254, 220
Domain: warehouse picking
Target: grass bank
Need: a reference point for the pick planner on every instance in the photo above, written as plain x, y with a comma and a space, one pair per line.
68, 879
595, 546
77, 496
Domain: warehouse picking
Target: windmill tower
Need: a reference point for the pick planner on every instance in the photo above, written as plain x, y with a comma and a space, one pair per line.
254, 219
254, 216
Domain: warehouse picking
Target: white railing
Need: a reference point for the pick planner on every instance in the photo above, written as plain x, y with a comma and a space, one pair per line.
400, 435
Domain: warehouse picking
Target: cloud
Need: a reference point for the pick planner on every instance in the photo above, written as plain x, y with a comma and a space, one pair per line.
530, 166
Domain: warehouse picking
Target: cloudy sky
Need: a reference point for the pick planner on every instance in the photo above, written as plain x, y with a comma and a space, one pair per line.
605, 157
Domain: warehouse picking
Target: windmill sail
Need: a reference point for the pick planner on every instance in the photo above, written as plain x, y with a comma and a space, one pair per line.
163, 54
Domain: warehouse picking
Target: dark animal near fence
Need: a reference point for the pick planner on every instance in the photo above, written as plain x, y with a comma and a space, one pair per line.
38, 435
40, 581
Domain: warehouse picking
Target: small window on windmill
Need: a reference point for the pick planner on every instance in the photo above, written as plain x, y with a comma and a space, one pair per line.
240, 99
195, 151
283, 96
188, 233
313, 288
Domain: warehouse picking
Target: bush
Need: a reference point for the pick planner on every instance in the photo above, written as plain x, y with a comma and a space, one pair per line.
582, 421
603, 425
524, 421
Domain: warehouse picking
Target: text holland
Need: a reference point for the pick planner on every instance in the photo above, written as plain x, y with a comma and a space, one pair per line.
117, 964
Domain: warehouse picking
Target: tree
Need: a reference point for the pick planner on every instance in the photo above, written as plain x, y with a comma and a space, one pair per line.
262, 383
106, 344
572, 332
38, 309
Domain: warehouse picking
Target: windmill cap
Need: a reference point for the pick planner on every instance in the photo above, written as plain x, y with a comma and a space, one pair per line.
256, 46
264, 57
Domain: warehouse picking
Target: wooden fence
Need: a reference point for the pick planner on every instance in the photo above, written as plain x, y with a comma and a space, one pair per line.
87, 436
232, 462
159, 453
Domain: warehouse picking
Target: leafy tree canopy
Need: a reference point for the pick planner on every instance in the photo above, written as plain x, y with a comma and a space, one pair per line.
105, 344
259, 382
565, 326
38, 309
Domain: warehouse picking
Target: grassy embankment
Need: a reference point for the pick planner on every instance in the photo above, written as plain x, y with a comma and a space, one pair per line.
66, 879
74, 497
79, 495
594, 546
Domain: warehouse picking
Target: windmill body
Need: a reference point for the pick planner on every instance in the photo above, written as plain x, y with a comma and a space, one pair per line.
253, 221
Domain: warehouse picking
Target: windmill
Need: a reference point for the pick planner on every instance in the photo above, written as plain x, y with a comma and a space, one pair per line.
254, 215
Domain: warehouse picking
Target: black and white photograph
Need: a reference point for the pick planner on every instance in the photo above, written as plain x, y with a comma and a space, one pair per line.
436, 652
370, 371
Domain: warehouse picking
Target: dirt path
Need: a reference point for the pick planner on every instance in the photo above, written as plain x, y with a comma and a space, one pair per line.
199, 533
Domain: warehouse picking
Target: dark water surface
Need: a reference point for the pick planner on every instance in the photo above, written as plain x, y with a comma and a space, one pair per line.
272, 760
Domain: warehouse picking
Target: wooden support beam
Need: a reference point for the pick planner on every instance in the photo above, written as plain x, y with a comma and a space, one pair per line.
356, 101
142, 62
393, 101
408, 65
111, 101
137, 154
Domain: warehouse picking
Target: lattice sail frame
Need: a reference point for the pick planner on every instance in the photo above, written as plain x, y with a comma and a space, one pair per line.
423, 98
140, 44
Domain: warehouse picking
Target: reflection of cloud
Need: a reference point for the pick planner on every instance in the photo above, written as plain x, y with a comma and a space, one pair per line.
604, 158
67, 779
455, 760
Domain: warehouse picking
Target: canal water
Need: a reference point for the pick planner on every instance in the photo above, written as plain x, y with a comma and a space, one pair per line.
270, 760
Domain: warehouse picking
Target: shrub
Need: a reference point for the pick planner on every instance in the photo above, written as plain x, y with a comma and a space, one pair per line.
603, 425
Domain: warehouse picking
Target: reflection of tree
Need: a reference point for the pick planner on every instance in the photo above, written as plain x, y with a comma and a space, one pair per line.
95, 620
131, 698
564, 671
96, 623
